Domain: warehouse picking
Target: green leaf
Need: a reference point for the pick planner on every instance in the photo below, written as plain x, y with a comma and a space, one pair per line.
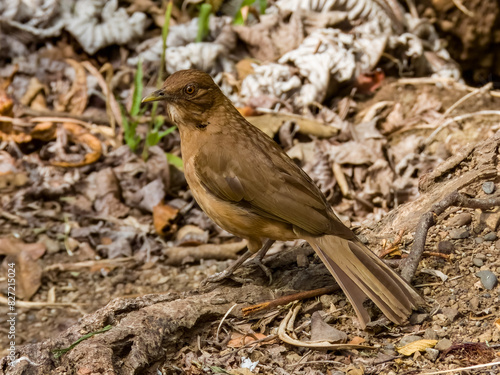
164, 35
203, 18
262, 6
129, 131
175, 161
137, 96
167, 131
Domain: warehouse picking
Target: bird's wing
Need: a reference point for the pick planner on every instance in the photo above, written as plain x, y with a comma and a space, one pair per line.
257, 175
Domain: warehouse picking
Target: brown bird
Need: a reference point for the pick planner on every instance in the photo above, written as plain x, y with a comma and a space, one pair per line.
247, 185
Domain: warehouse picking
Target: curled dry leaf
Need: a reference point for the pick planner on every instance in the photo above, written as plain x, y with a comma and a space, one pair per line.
75, 100
164, 217
497, 323
191, 235
79, 135
238, 340
416, 346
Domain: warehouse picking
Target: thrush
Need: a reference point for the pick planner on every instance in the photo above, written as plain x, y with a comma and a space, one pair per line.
251, 188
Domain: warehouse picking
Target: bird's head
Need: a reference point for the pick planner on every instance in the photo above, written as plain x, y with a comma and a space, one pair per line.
191, 96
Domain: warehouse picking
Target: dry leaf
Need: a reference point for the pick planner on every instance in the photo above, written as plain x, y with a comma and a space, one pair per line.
497, 323
80, 135
238, 340
163, 219
28, 271
416, 346
356, 340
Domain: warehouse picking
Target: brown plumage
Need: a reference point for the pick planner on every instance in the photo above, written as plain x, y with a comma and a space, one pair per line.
245, 183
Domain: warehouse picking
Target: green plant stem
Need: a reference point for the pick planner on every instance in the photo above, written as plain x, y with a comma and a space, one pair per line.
164, 35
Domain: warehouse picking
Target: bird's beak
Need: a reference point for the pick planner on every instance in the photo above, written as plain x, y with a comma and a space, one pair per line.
154, 96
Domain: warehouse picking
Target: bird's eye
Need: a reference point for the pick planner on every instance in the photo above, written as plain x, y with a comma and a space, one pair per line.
189, 89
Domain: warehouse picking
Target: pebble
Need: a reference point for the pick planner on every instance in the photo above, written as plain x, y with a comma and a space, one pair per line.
450, 313
431, 354
489, 187
488, 279
430, 334
443, 344
478, 240
478, 262
457, 234
459, 220
445, 247
492, 236
409, 339
417, 318
481, 256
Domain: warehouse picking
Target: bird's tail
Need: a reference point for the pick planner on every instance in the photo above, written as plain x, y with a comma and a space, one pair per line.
361, 274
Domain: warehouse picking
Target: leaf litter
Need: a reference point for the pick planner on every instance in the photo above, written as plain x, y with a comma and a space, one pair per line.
80, 212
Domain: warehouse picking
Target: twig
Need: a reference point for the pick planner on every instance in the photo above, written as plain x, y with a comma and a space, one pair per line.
442, 81
222, 320
462, 368
311, 344
441, 123
429, 219
39, 305
87, 264
463, 9
287, 299
26, 111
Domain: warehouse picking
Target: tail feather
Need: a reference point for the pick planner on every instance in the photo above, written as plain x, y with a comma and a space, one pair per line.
361, 274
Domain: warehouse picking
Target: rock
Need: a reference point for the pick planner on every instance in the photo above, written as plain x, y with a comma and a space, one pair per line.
458, 234
321, 331
431, 354
488, 279
492, 236
430, 334
478, 262
491, 219
443, 345
474, 303
459, 220
489, 187
497, 245
445, 247
478, 240
450, 313
481, 256
417, 318
408, 339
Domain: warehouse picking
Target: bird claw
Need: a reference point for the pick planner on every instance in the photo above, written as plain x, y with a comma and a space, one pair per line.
219, 276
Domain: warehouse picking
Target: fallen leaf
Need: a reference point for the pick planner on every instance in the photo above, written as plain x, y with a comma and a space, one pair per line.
163, 219
238, 340
28, 271
497, 323
80, 135
416, 346
356, 340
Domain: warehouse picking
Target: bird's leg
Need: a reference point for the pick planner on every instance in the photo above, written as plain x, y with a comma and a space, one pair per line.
260, 255
233, 267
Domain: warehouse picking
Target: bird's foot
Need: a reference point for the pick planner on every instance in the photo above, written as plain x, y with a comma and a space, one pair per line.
257, 261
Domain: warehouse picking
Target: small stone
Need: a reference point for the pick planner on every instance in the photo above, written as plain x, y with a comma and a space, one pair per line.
497, 245
409, 339
450, 313
443, 345
417, 318
445, 247
491, 219
459, 220
474, 303
481, 256
431, 354
492, 236
478, 262
458, 234
488, 279
430, 334
489, 187
478, 240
